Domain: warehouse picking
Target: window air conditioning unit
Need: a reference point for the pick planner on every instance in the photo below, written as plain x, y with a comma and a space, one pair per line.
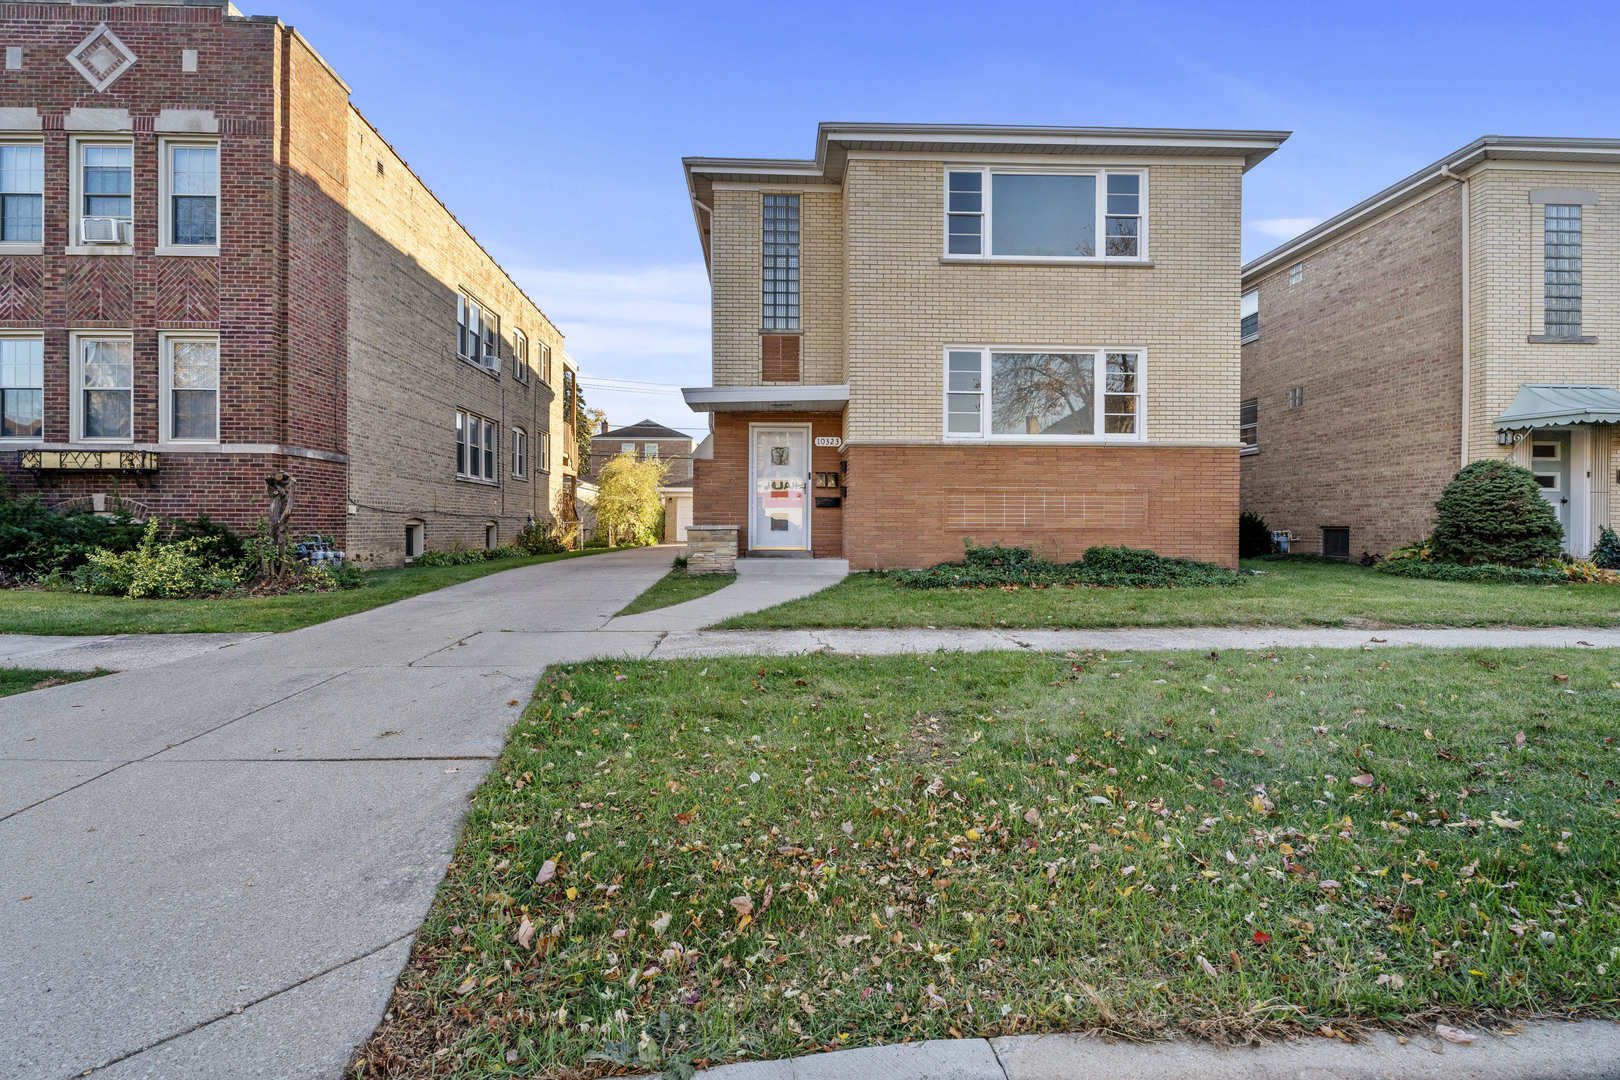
102, 230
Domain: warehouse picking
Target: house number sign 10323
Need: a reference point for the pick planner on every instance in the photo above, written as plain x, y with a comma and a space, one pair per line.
829, 440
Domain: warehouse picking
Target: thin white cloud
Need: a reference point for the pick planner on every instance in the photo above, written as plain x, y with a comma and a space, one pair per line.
1284, 228
649, 324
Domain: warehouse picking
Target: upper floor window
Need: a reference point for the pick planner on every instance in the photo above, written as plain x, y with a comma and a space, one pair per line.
520, 356
568, 398
1035, 215
1296, 273
1249, 316
543, 444
780, 263
22, 388
650, 451
628, 448
478, 334
475, 447
1249, 424
191, 385
105, 377
105, 187
1049, 394
22, 194
192, 180
1562, 272
545, 363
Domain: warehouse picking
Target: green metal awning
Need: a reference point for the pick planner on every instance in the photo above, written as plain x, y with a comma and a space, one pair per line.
1553, 405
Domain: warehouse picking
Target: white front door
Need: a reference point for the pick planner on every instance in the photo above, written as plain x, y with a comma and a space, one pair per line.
780, 517
1549, 460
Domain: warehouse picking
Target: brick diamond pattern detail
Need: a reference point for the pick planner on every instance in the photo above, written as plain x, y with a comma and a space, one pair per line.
99, 292
21, 295
101, 58
188, 294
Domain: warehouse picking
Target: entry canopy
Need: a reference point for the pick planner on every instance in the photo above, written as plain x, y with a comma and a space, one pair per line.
1554, 405
766, 398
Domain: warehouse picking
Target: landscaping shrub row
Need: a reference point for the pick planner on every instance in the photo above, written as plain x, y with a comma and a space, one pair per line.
1121, 567
1439, 571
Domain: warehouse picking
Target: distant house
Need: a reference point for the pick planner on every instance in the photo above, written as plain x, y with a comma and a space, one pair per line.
648, 439
937, 332
1468, 312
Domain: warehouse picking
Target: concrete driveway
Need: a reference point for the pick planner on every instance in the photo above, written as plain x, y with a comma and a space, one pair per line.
213, 867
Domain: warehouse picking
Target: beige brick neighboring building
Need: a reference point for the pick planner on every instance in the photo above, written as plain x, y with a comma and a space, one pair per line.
936, 333
1410, 335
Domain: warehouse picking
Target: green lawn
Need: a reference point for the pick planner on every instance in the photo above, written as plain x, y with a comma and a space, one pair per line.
35, 611
754, 857
22, 680
677, 587
1288, 594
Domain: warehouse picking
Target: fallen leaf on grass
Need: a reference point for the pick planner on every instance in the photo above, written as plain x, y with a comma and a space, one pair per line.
1391, 980
525, 932
1504, 823
1032, 816
742, 905
1518, 740
931, 997
1262, 938
1364, 780
548, 870
1209, 968
660, 924
1453, 1035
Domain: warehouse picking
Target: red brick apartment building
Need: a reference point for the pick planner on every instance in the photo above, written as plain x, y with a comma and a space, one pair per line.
931, 333
212, 269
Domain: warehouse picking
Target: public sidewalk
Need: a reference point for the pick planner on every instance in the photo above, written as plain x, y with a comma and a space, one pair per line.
761, 583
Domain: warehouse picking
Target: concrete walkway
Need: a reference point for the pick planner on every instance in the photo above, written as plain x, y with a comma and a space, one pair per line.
761, 583
212, 863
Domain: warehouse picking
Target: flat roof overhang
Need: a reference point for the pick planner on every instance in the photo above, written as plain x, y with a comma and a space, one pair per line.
766, 398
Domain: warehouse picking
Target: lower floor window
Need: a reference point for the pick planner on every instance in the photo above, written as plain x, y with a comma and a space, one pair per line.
1079, 393
1336, 542
191, 370
22, 388
413, 538
492, 536
520, 453
106, 383
475, 447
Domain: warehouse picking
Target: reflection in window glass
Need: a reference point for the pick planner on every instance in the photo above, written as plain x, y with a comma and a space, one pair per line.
1042, 394
964, 394
22, 199
194, 187
1120, 395
1043, 215
966, 213
194, 386
107, 181
108, 370
22, 382
1124, 214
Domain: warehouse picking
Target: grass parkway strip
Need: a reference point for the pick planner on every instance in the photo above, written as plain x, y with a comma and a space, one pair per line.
699, 861
1286, 594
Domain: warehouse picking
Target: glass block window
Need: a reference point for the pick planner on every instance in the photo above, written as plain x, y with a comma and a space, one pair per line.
780, 263
22, 388
22, 194
1562, 299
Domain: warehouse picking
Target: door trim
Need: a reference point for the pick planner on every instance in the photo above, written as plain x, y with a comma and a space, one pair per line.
753, 487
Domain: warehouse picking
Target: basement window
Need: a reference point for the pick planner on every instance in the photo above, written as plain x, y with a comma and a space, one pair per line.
1336, 542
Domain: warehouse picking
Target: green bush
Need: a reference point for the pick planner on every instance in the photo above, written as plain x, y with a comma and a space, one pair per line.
36, 542
460, 556
154, 570
1493, 512
1488, 572
1254, 535
544, 538
1121, 567
1607, 552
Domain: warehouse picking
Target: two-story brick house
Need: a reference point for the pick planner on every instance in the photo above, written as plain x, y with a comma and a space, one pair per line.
937, 332
1469, 311
212, 269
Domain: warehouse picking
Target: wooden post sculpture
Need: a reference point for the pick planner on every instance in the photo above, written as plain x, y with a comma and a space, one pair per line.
280, 488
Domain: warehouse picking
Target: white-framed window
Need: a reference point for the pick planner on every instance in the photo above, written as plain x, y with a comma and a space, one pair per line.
1033, 214
1008, 394
188, 205
492, 535
545, 363
520, 453
415, 538
650, 451
103, 192
103, 387
1296, 273
22, 387
22, 193
1249, 317
779, 263
1296, 397
1249, 425
190, 374
475, 447
627, 448
478, 334
520, 356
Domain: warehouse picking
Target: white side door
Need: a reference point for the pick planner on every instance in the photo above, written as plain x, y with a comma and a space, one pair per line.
780, 516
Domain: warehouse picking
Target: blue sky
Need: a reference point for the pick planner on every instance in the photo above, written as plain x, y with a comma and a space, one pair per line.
555, 131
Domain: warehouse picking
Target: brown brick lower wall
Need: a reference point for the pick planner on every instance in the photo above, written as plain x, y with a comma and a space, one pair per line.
914, 506
720, 484
229, 488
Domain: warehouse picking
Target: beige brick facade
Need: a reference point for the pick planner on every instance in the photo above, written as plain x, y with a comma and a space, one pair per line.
880, 305
1373, 335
